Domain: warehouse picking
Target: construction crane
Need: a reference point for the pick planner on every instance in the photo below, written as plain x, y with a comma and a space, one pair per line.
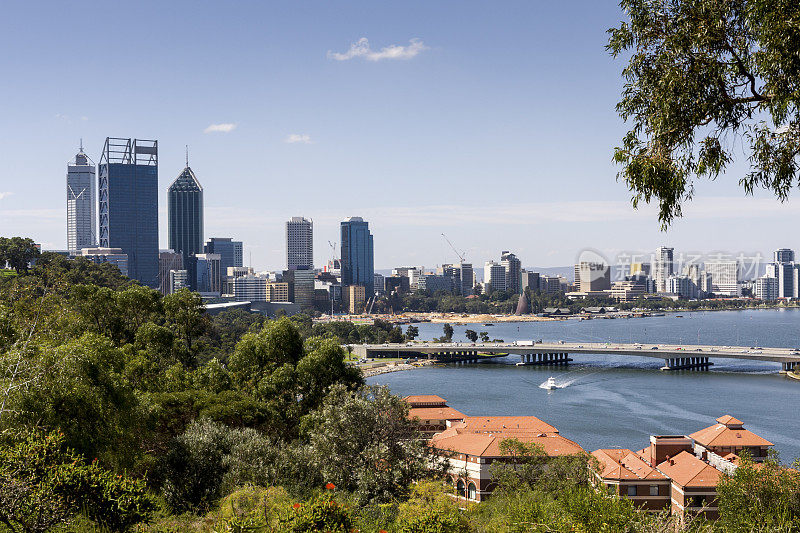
459, 254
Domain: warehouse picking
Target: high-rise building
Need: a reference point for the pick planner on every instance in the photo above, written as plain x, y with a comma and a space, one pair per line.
467, 278
178, 279
250, 288
590, 277
301, 286
529, 280
80, 203
494, 277
114, 256
724, 277
229, 251
205, 275
379, 283
551, 284
766, 288
640, 269
185, 214
513, 267
358, 261
433, 283
168, 260
128, 204
683, 286
299, 243
663, 267
783, 269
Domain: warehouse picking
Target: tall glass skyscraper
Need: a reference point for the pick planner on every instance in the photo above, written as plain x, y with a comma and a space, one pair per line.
80, 203
299, 243
185, 214
229, 251
128, 204
358, 261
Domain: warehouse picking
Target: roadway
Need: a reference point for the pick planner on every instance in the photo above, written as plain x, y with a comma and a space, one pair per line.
790, 356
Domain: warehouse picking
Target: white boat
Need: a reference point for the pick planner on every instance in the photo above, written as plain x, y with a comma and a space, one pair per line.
550, 384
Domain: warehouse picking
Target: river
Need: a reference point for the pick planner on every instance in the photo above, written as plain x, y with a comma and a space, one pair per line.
619, 401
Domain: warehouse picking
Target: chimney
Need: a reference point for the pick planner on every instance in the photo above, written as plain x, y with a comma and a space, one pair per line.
665, 447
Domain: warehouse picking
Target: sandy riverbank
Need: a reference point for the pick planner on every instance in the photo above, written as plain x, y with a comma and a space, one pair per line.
390, 367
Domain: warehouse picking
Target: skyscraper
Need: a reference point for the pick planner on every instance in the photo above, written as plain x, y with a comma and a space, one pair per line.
358, 261
128, 200
663, 267
168, 260
80, 203
784, 270
513, 268
230, 252
185, 214
299, 243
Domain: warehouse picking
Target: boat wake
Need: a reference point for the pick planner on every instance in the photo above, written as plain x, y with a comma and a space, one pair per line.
552, 384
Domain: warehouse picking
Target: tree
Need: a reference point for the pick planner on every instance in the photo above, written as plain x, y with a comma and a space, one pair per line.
363, 442
448, 332
44, 484
484, 336
472, 335
412, 332
18, 252
184, 312
703, 77
395, 335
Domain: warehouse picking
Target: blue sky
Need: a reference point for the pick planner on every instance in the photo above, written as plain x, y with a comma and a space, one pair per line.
491, 122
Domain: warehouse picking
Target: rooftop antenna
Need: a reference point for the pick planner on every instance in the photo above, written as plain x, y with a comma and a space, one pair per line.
187, 155
81, 149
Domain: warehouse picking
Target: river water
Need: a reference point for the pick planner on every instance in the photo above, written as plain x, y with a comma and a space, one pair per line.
619, 401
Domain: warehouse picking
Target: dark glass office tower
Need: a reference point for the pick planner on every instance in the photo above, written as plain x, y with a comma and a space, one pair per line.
185, 214
230, 252
128, 204
358, 266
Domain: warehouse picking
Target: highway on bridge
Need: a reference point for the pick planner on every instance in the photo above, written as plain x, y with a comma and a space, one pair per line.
676, 356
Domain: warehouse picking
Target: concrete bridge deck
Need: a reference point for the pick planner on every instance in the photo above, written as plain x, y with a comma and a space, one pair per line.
676, 356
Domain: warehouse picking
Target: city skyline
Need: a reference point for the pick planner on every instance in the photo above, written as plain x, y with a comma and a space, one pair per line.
442, 111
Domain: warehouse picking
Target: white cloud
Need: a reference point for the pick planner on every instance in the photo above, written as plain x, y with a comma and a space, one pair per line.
303, 138
5, 194
225, 127
395, 51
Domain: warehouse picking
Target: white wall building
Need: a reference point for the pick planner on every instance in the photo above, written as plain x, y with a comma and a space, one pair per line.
299, 243
663, 267
81, 210
766, 288
494, 274
250, 288
724, 277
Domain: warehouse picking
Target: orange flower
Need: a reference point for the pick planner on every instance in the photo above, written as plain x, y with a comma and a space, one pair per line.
296, 506
330, 486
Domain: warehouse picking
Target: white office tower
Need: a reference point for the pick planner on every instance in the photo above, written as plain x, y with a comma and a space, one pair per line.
494, 277
724, 278
299, 243
663, 267
766, 288
80, 203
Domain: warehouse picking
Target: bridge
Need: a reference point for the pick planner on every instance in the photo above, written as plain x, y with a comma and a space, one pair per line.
675, 356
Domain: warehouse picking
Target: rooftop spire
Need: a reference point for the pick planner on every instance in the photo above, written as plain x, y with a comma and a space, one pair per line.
81, 147
187, 155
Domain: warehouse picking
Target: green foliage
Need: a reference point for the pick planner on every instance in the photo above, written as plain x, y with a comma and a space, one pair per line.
363, 442
533, 468
702, 77
44, 484
764, 497
448, 332
253, 508
321, 514
79, 388
18, 252
471, 335
430, 509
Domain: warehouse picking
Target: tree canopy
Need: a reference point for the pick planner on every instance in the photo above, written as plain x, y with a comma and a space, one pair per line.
702, 78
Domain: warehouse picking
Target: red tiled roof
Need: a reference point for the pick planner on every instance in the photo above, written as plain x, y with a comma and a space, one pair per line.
461, 440
622, 464
688, 471
729, 420
434, 413
507, 424
720, 435
425, 399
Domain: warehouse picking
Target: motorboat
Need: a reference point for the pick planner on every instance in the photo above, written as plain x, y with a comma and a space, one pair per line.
550, 384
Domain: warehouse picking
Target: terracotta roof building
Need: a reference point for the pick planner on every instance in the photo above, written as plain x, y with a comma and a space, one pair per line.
729, 436
473, 445
694, 485
624, 473
432, 413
